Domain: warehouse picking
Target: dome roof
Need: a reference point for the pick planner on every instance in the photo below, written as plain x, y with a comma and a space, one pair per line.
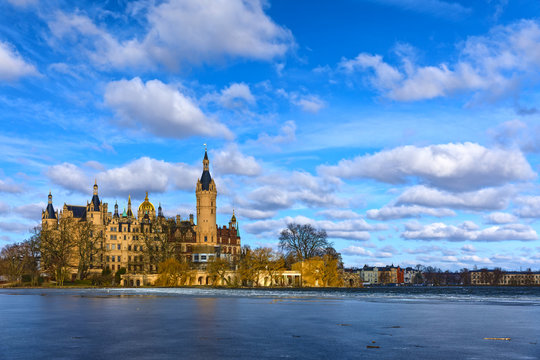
146, 206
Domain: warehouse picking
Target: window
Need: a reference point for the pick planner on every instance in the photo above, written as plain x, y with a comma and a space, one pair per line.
205, 239
125, 237
112, 267
112, 258
129, 247
118, 247
203, 257
107, 258
129, 258
119, 258
196, 257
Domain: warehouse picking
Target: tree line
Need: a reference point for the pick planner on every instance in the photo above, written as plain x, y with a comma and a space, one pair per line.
55, 252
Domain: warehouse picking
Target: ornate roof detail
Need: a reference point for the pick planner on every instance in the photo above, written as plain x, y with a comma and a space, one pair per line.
146, 206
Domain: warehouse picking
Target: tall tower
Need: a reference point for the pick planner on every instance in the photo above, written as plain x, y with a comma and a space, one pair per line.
206, 193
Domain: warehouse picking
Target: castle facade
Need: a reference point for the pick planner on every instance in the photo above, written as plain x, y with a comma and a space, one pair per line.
123, 240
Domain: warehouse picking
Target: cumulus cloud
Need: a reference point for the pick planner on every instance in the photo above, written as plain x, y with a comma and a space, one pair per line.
500, 218
457, 167
8, 186
356, 251
12, 65
179, 31
236, 95
484, 199
160, 109
14, 227
230, 160
30, 211
403, 211
147, 174
307, 102
469, 248
349, 229
136, 177
491, 66
468, 231
528, 206
283, 190
286, 134
70, 177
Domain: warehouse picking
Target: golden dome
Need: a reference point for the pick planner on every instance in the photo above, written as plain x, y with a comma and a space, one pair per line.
146, 206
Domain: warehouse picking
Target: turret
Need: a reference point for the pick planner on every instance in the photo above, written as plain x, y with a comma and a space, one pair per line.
232, 223
160, 211
116, 210
49, 216
129, 212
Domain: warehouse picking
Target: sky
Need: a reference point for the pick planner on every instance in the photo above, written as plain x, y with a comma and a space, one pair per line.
407, 129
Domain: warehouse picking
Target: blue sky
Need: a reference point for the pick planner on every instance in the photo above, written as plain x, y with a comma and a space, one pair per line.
407, 129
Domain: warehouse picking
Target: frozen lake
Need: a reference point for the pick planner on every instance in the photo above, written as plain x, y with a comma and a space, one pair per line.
405, 323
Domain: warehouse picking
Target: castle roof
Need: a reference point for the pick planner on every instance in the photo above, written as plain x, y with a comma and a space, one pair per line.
146, 206
50, 212
206, 179
78, 211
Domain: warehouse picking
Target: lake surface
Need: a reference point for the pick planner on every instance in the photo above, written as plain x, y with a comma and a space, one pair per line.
405, 323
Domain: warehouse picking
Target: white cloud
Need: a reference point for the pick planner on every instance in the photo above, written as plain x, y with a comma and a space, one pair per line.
160, 109
356, 251
30, 211
230, 160
147, 174
469, 231
500, 218
287, 134
236, 95
349, 229
179, 31
136, 177
15, 227
469, 248
491, 65
401, 212
70, 177
309, 103
12, 65
460, 167
8, 186
529, 207
484, 199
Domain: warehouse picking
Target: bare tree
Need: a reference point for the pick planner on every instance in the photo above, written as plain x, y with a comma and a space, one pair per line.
217, 269
57, 250
12, 257
303, 241
88, 244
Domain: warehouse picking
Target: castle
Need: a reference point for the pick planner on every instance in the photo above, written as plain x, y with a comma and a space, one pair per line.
123, 238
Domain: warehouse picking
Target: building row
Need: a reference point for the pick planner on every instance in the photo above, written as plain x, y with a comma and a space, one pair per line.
373, 275
504, 278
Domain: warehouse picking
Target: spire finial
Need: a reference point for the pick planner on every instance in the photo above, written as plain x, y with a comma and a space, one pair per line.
146, 197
